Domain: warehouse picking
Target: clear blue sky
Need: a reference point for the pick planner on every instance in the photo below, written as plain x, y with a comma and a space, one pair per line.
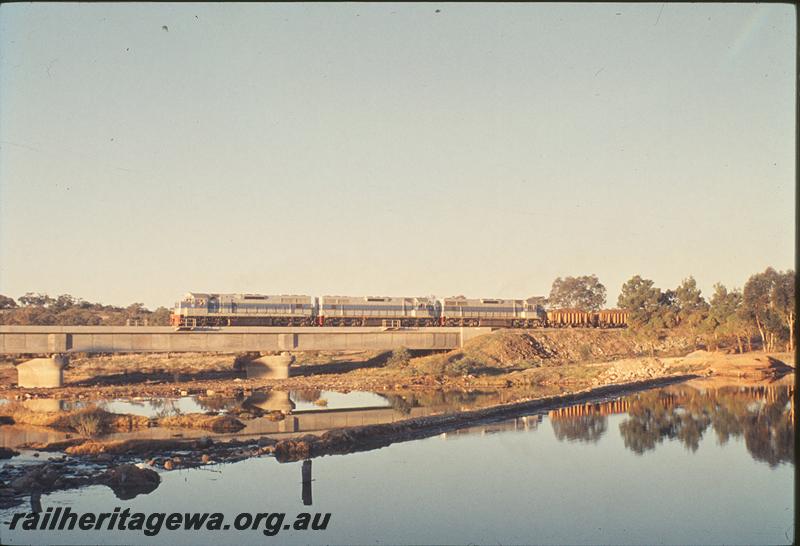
388, 149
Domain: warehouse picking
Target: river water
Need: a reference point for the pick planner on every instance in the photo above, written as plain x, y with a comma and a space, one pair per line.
677, 465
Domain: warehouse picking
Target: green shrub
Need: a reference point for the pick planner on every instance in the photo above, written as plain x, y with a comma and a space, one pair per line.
430, 367
464, 366
399, 359
89, 422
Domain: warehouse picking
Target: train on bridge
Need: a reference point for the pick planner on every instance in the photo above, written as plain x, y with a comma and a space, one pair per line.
201, 309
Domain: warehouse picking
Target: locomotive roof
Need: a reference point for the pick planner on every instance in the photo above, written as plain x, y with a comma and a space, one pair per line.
207, 295
213, 294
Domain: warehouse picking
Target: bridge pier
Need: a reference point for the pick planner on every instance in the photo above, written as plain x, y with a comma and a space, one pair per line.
270, 367
43, 373
467, 333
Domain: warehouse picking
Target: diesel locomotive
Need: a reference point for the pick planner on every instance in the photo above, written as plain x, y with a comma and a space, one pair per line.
200, 309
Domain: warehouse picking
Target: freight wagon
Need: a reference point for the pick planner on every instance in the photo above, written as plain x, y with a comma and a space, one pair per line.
572, 318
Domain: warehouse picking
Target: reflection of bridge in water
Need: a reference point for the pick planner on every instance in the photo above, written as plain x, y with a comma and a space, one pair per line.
583, 410
519, 424
317, 420
298, 422
613, 407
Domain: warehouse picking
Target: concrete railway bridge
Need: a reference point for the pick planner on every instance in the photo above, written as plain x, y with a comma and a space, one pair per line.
50, 346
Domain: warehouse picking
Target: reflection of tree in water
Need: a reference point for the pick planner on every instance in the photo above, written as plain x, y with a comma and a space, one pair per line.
652, 419
164, 407
401, 403
726, 424
769, 435
218, 403
585, 428
685, 415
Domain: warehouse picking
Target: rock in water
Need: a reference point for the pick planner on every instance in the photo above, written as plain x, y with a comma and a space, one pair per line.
226, 423
127, 481
6, 453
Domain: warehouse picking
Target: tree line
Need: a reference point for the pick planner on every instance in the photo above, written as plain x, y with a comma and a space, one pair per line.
41, 309
763, 310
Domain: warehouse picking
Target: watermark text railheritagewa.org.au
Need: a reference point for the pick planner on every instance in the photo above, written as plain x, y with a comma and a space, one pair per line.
64, 519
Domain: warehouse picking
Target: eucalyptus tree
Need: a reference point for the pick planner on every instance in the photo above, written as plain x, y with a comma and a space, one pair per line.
758, 305
692, 307
649, 308
31, 299
782, 299
585, 292
725, 318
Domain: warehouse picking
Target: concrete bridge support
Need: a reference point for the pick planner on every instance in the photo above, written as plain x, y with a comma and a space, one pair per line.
43, 373
270, 367
465, 334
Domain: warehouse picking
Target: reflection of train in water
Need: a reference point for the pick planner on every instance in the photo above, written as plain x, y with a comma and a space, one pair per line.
198, 309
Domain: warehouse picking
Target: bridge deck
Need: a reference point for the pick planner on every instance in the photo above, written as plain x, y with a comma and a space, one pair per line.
120, 339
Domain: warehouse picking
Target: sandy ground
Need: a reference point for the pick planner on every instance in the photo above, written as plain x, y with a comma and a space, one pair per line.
564, 361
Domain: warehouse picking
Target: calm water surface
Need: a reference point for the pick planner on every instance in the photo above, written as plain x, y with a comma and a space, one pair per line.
668, 466
297, 400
